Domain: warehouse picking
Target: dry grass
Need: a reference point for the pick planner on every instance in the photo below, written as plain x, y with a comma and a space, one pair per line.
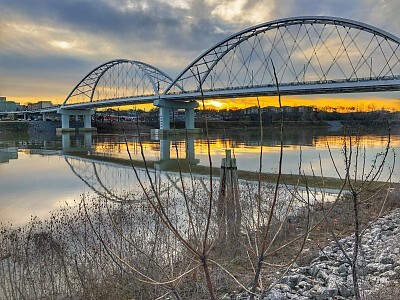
390, 291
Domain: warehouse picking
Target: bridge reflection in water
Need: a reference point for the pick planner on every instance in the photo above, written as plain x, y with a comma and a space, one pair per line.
165, 162
114, 178
7, 153
79, 145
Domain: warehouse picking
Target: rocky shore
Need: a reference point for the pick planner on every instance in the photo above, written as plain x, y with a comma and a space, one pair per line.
329, 276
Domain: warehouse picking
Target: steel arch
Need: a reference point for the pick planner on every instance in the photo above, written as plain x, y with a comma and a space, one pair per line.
199, 71
87, 86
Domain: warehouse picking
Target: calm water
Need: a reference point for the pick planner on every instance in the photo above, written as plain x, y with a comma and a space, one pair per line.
40, 173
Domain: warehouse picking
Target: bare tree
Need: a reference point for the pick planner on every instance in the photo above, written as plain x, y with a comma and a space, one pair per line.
358, 178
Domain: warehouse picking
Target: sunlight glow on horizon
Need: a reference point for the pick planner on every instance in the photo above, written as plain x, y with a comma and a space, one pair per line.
338, 104
218, 146
325, 103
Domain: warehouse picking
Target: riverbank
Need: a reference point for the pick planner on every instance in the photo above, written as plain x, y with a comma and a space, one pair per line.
76, 252
215, 125
32, 127
329, 275
321, 272
14, 126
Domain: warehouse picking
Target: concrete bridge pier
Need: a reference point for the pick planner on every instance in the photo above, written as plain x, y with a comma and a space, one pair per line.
165, 118
165, 107
87, 122
165, 153
190, 154
65, 116
189, 118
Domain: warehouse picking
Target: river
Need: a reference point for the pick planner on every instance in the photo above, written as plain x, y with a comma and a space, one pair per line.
41, 172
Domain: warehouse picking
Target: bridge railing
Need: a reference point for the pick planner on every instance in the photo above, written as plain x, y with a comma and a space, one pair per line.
308, 83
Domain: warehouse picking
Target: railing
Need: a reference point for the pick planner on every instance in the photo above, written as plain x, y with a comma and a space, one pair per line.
307, 83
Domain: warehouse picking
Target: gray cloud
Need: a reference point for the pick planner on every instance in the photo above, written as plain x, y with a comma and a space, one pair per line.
109, 19
379, 13
65, 39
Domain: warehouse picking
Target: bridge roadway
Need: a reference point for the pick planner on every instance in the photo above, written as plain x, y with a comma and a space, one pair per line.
306, 88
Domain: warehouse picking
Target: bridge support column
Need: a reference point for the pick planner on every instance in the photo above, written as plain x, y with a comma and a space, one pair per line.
190, 154
165, 118
87, 120
65, 115
65, 123
44, 116
165, 152
189, 118
165, 108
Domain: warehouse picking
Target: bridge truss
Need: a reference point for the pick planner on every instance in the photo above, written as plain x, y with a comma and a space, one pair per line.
306, 51
120, 79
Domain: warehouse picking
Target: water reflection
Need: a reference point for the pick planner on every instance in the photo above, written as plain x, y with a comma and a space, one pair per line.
109, 180
37, 175
8, 153
79, 145
173, 153
166, 163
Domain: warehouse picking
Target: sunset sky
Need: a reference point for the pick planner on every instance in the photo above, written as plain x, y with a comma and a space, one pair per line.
47, 46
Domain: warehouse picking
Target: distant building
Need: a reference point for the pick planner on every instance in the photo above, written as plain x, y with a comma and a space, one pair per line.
288, 109
3, 103
21, 107
305, 109
39, 105
251, 110
271, 109
7, 105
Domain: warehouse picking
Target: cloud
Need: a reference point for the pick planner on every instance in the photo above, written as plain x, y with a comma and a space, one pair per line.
51, 39
379, 13
242, 11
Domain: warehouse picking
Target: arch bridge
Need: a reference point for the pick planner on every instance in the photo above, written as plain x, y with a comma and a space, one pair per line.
309, 55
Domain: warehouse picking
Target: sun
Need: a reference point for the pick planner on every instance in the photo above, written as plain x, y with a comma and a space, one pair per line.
214, 104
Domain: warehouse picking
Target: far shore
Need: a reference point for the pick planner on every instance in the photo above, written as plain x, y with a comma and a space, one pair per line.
21, 126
